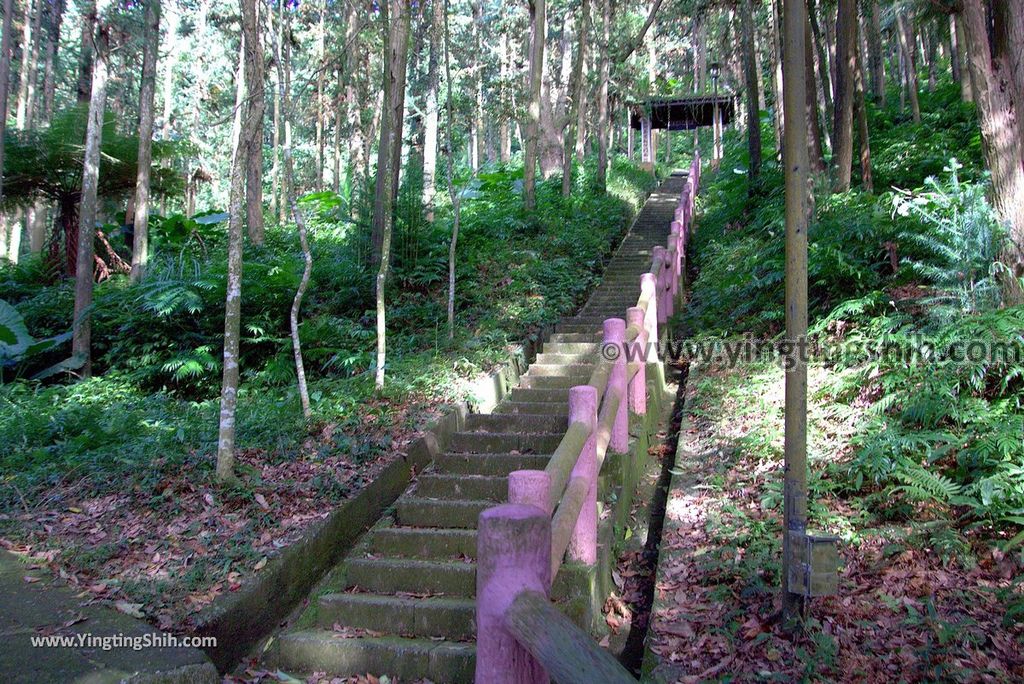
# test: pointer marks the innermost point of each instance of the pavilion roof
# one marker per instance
(682, 113)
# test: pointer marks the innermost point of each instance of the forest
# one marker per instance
(251, 250)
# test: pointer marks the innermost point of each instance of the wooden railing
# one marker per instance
(551, 514)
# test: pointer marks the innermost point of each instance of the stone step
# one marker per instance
(552, 381)
(424, 542)
(494, 422)
(451, 618)
(494, 442)
(573, 370)
(531, 394)
(404, 575)
(321, 650)
(461, 487)
(576, 337)
(588, 347)
(584, 327)
(497, 464)
(580, 358)
(533, 408)
(445, 513)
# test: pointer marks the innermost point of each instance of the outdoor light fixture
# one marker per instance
(714, 69)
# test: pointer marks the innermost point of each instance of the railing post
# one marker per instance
(615, 333)
(513, 555)
(649, 289)
(669, 270)
(659, 257)
(638, 385)
(530, 487)
(583, 542)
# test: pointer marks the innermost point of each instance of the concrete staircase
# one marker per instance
(402, 603)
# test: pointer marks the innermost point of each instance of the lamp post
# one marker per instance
(714, 69)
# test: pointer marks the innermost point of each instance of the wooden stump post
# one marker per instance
(583, 542)
(615, 333)
(638, 385)
(531, 488)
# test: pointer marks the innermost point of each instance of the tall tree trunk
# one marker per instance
(816, 154)
(504, 128)
(389, 157)
(24, 74)
(954, 50)
(754, 119)
(478, 85)
(798, 211)
(860, 114)
(538, 34)
(5, 79)
(252, 129)
(1008, 25)
(151, 45)
(56, 18)
(81, 343)
(876, 58)
(277, 35)
(907, 46)
(167, 89)
(604, 76)
(776, 37)
(966, 88)
(822, 65)
(452, 194)
(433, 108)
(321, 114)
(85, 53)
(578, 86)
(26, 109)
(1000, 129)
(846, 56)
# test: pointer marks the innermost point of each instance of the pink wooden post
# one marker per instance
(530, 487)
(669, 272)
(673, 241)
(513, 555)
(649, 289)
(638, 385)
(583, 542)
(659, 255)
(615, 333)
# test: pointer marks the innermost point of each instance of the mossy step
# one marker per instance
(321, 650)
(446, 513)
(500, 464)
(404, 575)
(450, 618)
(572, 327)
(465, 487)
(492, 442)
(423, 542)
(533, 408)
(492, 422)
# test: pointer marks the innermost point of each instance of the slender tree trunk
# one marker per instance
(437, 18)
(1000, 129)
(754, 119)
(81, 343)
(907, 43)
(252, 129)
(966, 88)
(151, 40)
(846, 56)
(29, 28)
(504, 129)
(821, 62)
(321, 115)
(776, 36)
(339, 108)
(537, 38)
(452, 194)
(389, 156)
(578, 89)
(797, 218)
(33, 67)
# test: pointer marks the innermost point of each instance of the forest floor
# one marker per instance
(165, 552)
(908, 607)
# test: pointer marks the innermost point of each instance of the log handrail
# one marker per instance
(552, 513)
